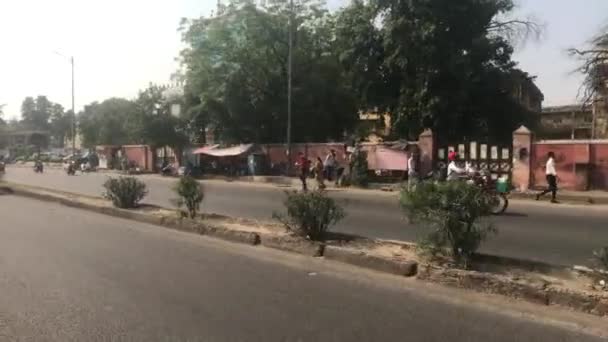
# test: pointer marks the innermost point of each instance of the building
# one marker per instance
(12, 138)
(526, 92)
(376, 125)
(566, 122)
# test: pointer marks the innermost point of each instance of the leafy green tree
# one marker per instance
(107, 123)
(2, 122)
(440, 64)
(154, 123)
(236, 65)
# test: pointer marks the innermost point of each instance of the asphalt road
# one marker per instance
(562, 234)
(71, 275)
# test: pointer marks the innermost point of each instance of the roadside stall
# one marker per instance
(226, 161)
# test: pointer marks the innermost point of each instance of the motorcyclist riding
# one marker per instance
(454, 172)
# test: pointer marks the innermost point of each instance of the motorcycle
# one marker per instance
(38, 167)
(71, 169)
(499, 199)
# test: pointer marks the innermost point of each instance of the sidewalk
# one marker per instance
(580, 197)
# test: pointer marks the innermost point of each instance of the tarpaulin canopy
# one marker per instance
(204, 149)
(233, 151)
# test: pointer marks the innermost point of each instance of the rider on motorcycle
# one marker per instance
(454, 172)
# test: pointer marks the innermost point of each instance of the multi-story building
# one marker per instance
(566, 122)
(526, 92)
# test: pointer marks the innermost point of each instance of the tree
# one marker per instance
(2, 122)
(236, 65)
(154, 123)
(107, 123)
(60, 124)
(439, 64)
(594, 66)
(35, 113)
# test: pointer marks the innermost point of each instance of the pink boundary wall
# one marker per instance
(581, 164)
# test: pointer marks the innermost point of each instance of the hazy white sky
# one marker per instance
(122, 45)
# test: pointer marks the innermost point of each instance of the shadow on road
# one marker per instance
(512, 214)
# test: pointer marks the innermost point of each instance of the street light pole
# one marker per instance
(71, 59)
(73, 110)
(289, 79)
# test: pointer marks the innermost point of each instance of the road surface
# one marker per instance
(71, 275)
(562, 234)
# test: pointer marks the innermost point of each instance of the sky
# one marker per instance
(120, 46)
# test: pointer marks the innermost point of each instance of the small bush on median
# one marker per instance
(601, 257)
(190, 194)
(453, 210)
(125, 192)
(310, 214)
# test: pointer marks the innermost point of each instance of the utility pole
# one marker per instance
(73, 110)
(71, 59)
(289, 79)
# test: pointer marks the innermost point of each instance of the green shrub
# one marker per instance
(359, 169)
(601, 257)
(310, 214)
(190, 194)
(125, 192)
(453, 211)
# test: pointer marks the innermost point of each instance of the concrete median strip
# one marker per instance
(361, 259)
(532, 282)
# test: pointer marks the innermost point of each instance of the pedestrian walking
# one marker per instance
(412, 171)
(329, 165)
(551, 175)
(319, 173)
(303, 166)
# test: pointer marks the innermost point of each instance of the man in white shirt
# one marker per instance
(329, 165)
(551, 175)
(412, 171)
(453, 170)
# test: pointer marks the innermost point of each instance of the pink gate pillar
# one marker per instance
(522, 144)
(426, 146)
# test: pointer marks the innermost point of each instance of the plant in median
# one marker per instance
(125, 192)
(190, 193)
(310, 214)
(601, 257)
(359, 168)
(453, 210)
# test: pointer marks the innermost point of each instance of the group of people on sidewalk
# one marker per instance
(329, 169)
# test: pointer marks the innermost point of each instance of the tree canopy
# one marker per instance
(145, 120)
(41, 114)
(236, 65)
(440, 64)
(594, 67)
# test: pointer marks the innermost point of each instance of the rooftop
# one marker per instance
(566, 109)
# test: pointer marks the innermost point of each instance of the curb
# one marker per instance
(535, 291)
(563, 198)
(291, 244)
(405, 268)
(486, 283)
